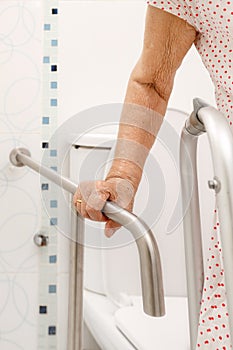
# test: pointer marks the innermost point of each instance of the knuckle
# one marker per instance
(84, 213)
(93, 214)
(90, 210)
(99, 184)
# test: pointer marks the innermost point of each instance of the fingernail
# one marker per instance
(109, 232)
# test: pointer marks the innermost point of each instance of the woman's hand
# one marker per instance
(91, 196)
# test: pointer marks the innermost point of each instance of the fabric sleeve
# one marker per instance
(178, 8)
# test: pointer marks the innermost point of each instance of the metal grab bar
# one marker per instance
(151, 272)
(206, 119)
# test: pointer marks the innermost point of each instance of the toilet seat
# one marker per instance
(150, 333)
(99, 314)
(128, 328)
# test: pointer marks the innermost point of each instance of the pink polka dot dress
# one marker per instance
(213, 20)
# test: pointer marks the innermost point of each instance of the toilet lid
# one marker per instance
(149, 333)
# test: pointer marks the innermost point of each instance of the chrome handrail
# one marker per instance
(150, 264)
(206, 119)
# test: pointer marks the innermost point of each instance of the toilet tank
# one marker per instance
(112, 265)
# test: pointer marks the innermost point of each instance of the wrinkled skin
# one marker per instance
(95, 194)
(166, 41)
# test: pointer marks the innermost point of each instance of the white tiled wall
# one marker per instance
(20, 100)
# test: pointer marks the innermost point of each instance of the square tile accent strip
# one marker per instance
(44, 187)
(52, 288)
(53, 259)
(47, 26)
(43, 309)
(47, 293)
(53, 85)
(45, 120)
(52, 330)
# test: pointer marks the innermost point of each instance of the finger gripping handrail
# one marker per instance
(151, 272)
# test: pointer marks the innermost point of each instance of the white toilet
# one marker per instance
(112, 299)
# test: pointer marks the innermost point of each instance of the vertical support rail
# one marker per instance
(72, 287)
(79, 228)
(75, 316)
(221, 144)
(192, 231)
(207, 119)
(150, 265)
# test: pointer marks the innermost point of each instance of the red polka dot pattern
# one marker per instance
(213, 332)
(213, 20)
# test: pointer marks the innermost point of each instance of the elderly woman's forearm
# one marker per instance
(145, 92)
(141, 118)
(166, 41)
